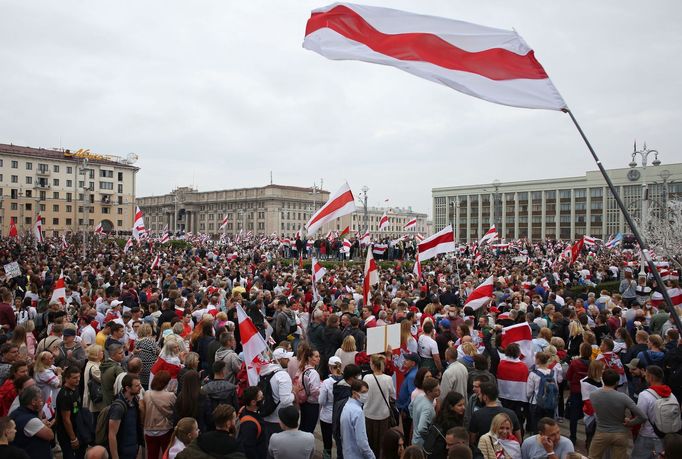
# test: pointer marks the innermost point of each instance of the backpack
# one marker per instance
(102, 427)
(291, 322)
(269, 404)
(548, 391)
(666, 415)
(300, 390)
(94, 389)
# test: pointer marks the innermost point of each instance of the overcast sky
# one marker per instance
(219, 93)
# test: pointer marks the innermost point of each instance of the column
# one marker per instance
(516, 215)
(543, 215)
(503, 215)
(573, 235)
(557, 213)
(468, 211)
(479, 228)
(588, 211)
(604, 211)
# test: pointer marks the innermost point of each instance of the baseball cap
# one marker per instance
(635, 363)
(281, 354)
(334, 360)
(445, 323)
(69, 332)
(289, 416)
(116, 303)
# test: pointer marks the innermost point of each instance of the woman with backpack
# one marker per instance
(92, 392)
(542, 389)
(307, 389)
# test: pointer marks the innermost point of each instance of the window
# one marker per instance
(55, 195)
(55, 207)
(120, 176)
(565, 194)
(15, 164)
(596, 205)
(55, 221)
(106, 174)
(81, 184)
(29, 193)
(106, 210)
(550, 194)
(29, 180)
(55, 182)
(69, 169)
(596, 192)
(43, 195)
(14, 206)
(119, 223)
(68, 222)
(42, 207)
(69, 183)
(28, 206)
(120, 200)
(580, 205)
(565, 207)
(55, 168)
(15, 179)
(91, 186)
(536, 195)
(69, 197)
(523, 196)
(565, 219)
(106, 186)
(29, 166)
(120, 211)
(1, 179)
(14, 193)
(580, 192)
(69, 209)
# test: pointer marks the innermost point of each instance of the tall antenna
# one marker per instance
(270, 177)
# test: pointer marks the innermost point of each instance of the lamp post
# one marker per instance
(493, 211)
(665, 176)
(364, 190)
(644, 155)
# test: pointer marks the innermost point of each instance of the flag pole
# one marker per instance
(642, 244)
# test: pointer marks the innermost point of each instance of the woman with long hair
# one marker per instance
(95, 355)
(184, 432)
(169, 360)
(47, 375)
(377, 409)
(202, 343)
(589, 384)
(451, 412)
(147, 350)
(393, 444)
(575, 338)
(158, 415)
(19, 340)
(307, 389)
(500, 442)
(347, 351)
(191, 400)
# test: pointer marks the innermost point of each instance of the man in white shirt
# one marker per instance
(647, 440)
(428, 350)
(88, 332)
(282, 389)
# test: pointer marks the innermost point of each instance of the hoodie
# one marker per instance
(652, 358)
(109, 369)
(217, 444)
(221, 391)
(230, 357)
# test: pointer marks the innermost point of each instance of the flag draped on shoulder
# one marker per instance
(522, 335)
(339, 204)
(492, 64)
(253, 345)
(441, 242)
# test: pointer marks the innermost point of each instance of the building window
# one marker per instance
(69, 208)
(119, 222)
(42, 207)
(55, 221)
(564, 194)
(69, 170)
(105, 210)
(69, 197)
(120, 211)
(550, 194)
(596, 192)
(69, 183)
(15, 164)
(13, 206)
(106, 174)
(55, 207)
(14, 193)
(55, 195)
(28, 206)
(106, 186)
(536, 195)
(120, 176)
(68, 222)
(29, 166)
(120, 188)
(15, 179)
(55, 182)
(596, 205)
(55, 168)
(580, 192)
(29, 180)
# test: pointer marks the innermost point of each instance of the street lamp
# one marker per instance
(644, 154)
(364, 190)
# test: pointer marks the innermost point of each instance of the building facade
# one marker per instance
(265, 210)
(70, 190)
(564, 208)
(397, 218)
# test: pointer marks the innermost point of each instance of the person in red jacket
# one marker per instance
(577, 370)
(8, 391)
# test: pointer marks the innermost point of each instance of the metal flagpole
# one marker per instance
(642, 244)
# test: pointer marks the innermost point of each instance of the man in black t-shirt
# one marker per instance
(482, 418)
(69, 403)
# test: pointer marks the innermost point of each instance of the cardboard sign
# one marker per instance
(12, 270)
(379, 338)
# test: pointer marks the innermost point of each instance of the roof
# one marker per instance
(56, 154)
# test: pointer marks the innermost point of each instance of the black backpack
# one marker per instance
(94, 389)
(269, 404)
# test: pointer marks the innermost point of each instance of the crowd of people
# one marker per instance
(139, 351)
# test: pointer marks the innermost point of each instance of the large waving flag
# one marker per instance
(441, 242)
(383, 223)
(523, 336)
(412, 224)
(491, 64)
(340, 203)
(481, 294)
(318, 270)
(614, 241)
(253, 345)
(59, 292)
(490, 235)
(223, 225)
(138, 226)
(38, 230)
(371, 277)
(576, 249)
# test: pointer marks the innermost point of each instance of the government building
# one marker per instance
(564, 208)
(280, 209)
(71, 190)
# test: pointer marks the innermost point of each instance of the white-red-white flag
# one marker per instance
(523, 336)
(65, 245)
(412, 224)
(318, 270)
(489, 235)
(253, 345)
(417, 268)
(366, 238)
(59, 291)
(138, 226)
(383, 223)
(48, 408)
(346, 246)
(589, 241)
(441, 242)
(339, 204)
(481, 294)
(418, 237)
(379, 248)
(165, 237)
(129, 244)
(223, 225)
(492, 64)
(156, 262)
(99, 229)
(371, 277)
(38, 230)
(285, 241)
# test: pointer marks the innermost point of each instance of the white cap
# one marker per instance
(334, 360)
(115, 303)
(281, 354)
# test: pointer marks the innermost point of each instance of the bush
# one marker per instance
(611, 286)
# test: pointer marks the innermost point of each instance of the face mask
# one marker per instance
(363, 398)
